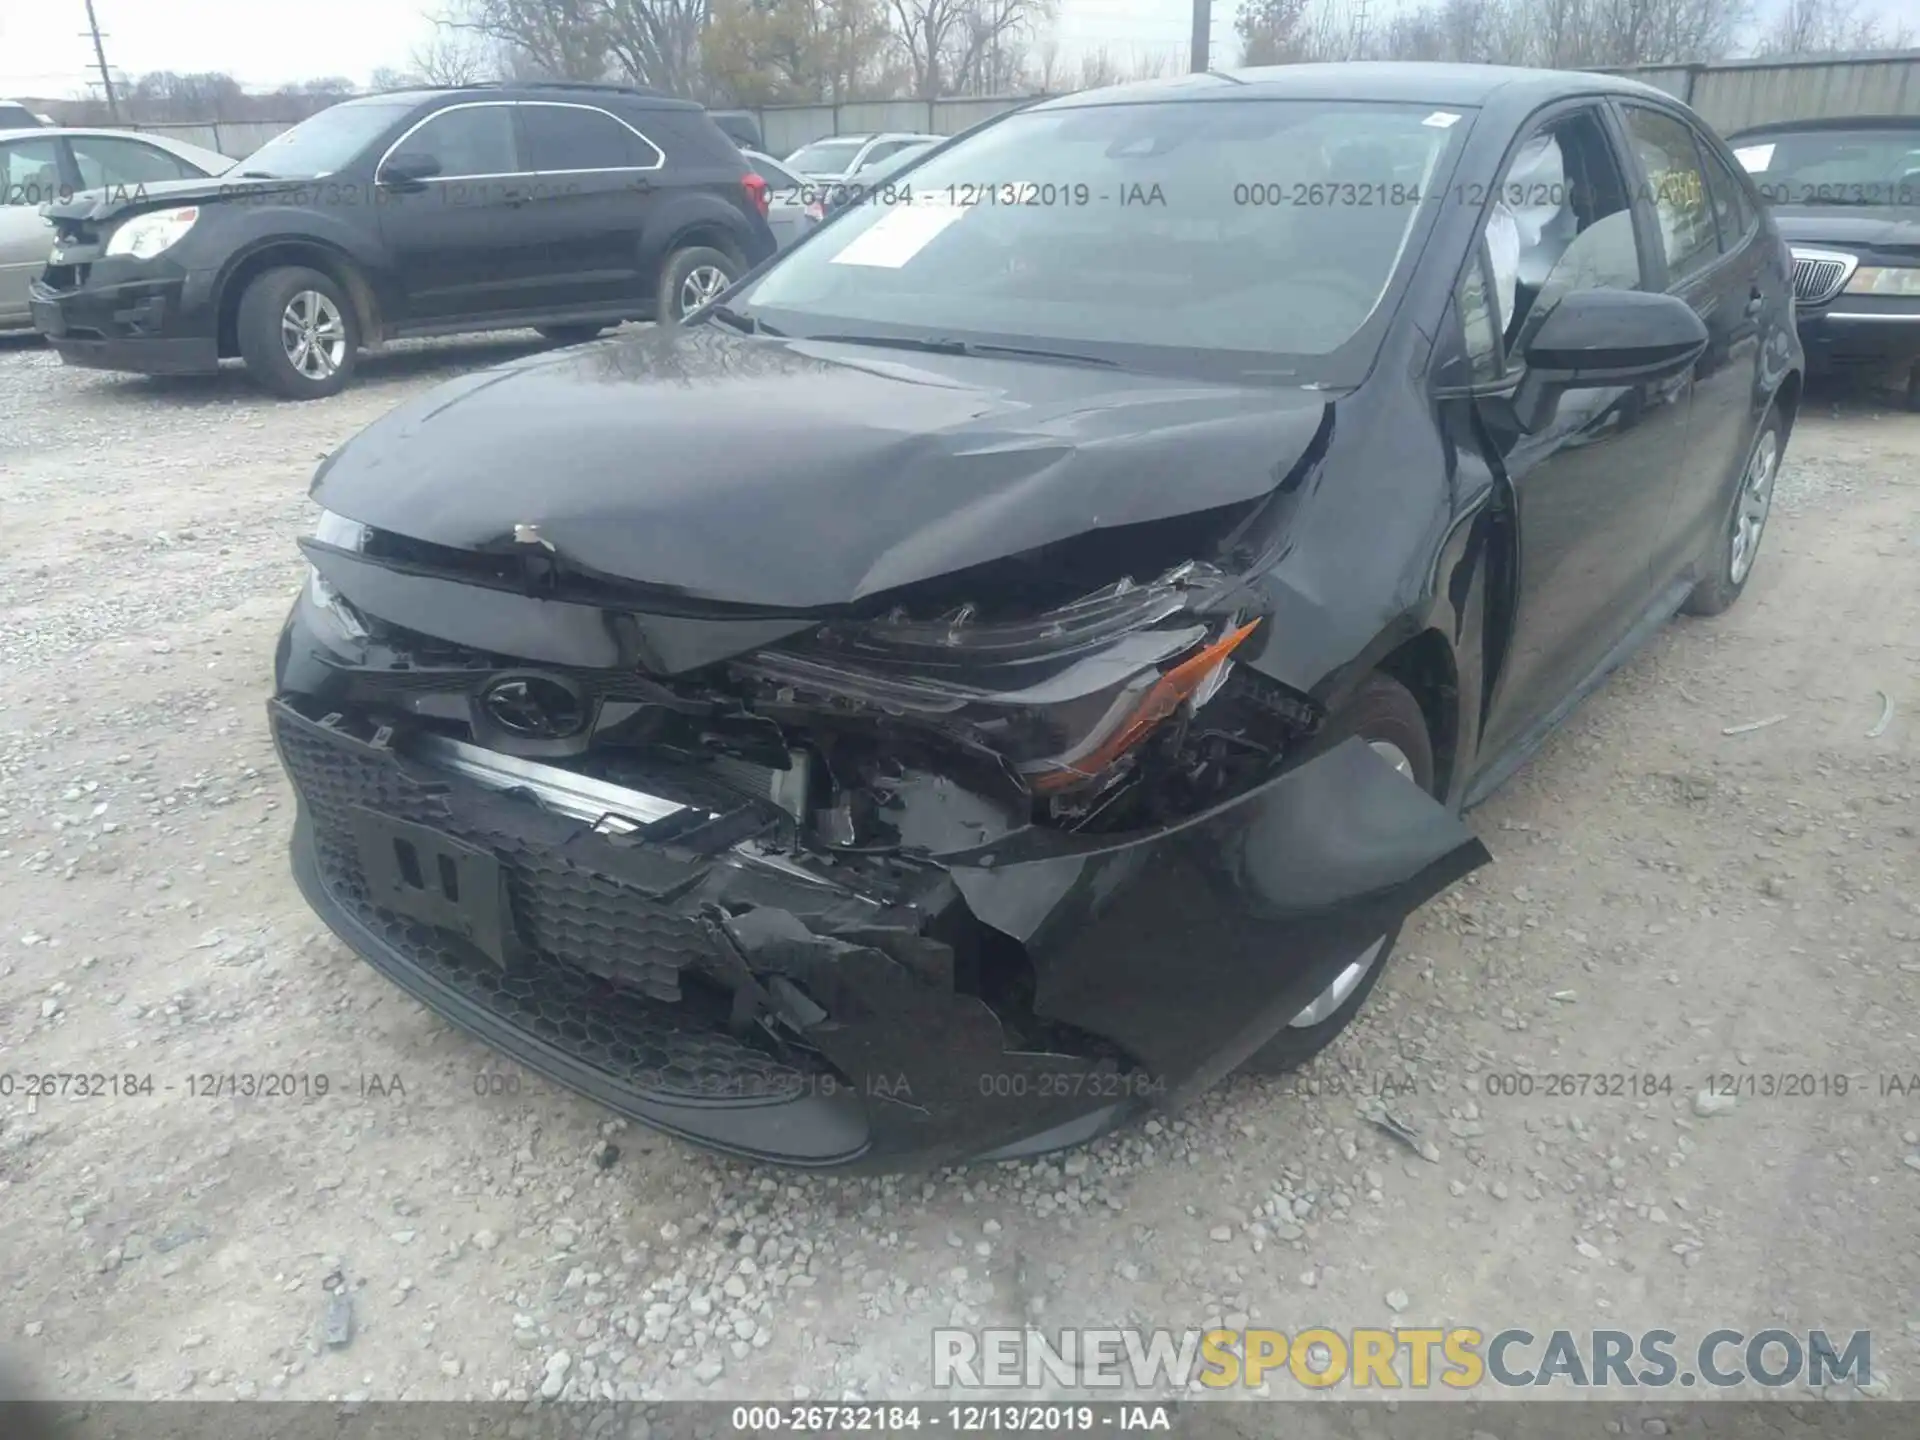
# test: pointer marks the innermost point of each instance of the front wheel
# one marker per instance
(1384, 714)
(298, 333)
(1738, 544)
(690, 278)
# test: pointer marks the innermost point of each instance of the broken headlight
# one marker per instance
(331, 613)
(1064, 697)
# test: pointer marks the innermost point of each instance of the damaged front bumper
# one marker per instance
(868, 1010)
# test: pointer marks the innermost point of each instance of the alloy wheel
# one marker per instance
(1755, 503)
(703, 282)
(314, 334)
(1348, 980)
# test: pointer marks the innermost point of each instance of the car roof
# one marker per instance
(1406, 82)
(553, 92)
(1831, 122)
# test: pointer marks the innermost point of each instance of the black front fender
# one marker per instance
(1192, 946)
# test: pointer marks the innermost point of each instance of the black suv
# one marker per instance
(567, 208)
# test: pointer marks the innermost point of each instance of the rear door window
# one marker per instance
(113, 160)
(1731, 208)
(580, 137)
(1677, 189)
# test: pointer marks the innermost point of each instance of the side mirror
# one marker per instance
(1595, 339)
(408, 169)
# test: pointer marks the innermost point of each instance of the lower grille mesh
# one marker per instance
(603, 961)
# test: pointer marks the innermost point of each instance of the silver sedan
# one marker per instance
(790, 209)
(42, 165)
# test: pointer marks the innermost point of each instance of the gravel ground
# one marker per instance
(1667, 899)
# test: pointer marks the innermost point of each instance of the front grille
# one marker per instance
(1817, 278)
(574, 915)
(608, 1014)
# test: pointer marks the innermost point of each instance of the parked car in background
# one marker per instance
(789, 211)
(841, 157)
(562, 207)
(739, 126)
(15, 116)
(39, 166)
(835, 196)
(1010, 664)
(1845, 194)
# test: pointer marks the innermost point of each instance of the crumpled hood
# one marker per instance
(799, 475)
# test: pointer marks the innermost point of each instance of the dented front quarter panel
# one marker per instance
(1187, 948)
(1192, 946)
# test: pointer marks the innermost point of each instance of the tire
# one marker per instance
(269, 305)
(570, 334)
(1381, 712)
(1729, 562)
(683, 265)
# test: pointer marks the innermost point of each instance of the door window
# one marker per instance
(1677, 189)
(30, 173)
(468, 141)
(579, 137)
(1562, 220)
(113, 160)
(1731, 208)
(882, 151)
(1479, 320)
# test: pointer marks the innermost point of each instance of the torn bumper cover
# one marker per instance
(848, 1010)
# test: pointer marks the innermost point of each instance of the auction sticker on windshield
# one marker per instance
(899, 235)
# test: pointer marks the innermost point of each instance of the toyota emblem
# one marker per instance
(535, 707)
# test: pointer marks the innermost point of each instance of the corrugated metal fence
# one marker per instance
(1730, 94)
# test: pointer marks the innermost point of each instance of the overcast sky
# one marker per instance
(44, 49)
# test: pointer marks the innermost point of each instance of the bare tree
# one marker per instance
(1826, 27)
(559, 39)
(1562, 33)
(1044, 72)
(452, 57)
(800, 51)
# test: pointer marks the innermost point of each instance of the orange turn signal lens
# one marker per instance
(1168, 694)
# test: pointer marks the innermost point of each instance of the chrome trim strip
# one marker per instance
(659, 155)
(1872, 315)
(579, 796)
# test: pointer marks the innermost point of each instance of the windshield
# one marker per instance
(1835, 167)
(1249, 235)
(327, 142)
(825, 156)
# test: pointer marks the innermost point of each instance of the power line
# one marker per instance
(100, 54)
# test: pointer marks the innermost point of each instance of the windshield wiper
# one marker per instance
(941, 345)
(257, 175)
(745, 324)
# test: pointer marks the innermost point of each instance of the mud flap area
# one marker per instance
(1190, 948)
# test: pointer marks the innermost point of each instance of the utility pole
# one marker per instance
(100, 54)
(1202, 34)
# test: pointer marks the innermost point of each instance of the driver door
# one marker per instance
(467, 243)
(1593, 489)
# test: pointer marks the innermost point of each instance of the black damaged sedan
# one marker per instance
(1020, 655)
